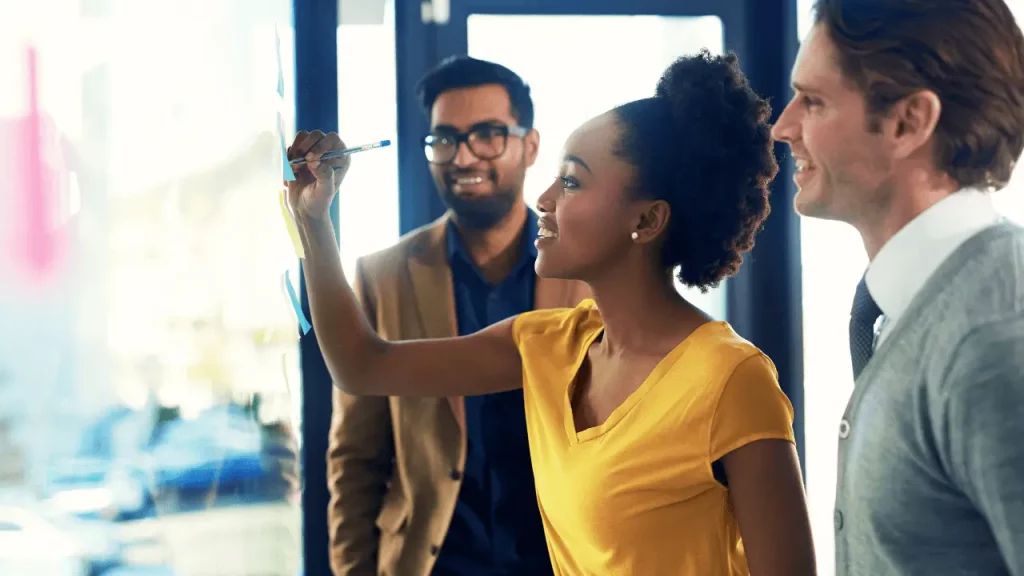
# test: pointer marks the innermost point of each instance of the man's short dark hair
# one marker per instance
(968, 52)
(466, 72)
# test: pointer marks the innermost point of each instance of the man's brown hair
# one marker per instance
(968, 52)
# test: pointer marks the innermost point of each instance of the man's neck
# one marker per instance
(912, 197)
(495, 250)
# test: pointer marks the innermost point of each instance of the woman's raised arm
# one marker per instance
(359, 361)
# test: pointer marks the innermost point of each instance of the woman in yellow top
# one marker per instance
(660, 440)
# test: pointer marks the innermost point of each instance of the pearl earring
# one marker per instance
(635, 236)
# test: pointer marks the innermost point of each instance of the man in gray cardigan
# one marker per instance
(906, 114)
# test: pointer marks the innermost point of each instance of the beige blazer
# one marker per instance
(393, 463)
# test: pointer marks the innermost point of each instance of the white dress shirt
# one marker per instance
(912, 255)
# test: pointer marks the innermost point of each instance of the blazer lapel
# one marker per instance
(435, 298)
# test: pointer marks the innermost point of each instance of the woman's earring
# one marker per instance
(635, 236)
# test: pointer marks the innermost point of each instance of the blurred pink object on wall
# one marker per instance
(37, 242)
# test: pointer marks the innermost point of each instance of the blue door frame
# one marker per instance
(764, 300)
(316, 108)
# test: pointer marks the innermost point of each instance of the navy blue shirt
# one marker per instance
(496, 528)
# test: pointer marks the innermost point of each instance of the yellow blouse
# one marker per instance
(636, 495)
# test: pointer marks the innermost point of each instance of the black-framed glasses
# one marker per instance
(486, 141)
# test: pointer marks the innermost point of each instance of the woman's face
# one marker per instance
(589, 212)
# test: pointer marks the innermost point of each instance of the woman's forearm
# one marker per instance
(349, 345)
(362, 363)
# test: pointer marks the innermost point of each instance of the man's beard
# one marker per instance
(481, 212)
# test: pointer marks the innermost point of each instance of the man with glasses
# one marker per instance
(444, 486)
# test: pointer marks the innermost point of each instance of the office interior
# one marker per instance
(161, 409)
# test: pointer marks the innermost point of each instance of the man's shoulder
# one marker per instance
(988, 280)
(990, 347)
(981, 283)
(411, 244)
(979, 307)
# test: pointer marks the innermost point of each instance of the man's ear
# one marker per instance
(531, 143)
(912, 121)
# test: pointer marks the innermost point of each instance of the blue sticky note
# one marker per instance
(289, 174)
(303, 323)
(280, 71)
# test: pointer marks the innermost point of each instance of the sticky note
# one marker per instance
(289, 174)
(37, 242)
(289, 224)
(303, 323)
(280, 70)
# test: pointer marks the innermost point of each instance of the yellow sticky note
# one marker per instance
(289, 223)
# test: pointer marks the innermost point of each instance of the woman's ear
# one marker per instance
(651, 222)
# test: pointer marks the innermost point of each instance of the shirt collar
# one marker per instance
(528, 250)
(904, 264)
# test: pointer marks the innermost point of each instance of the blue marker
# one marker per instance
(346, 151)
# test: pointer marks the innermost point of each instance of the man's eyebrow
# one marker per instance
(576, 160)
(798, 87)
(481, 124)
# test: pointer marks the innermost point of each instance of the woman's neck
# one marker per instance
(644, 314)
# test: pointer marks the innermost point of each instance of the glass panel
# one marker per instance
(367, 112)
(833, 262)
(601, 76)
(804, 17)
(145, 334)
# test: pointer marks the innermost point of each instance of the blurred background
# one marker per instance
(160, 411)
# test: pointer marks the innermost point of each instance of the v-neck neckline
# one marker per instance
(657, 373)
